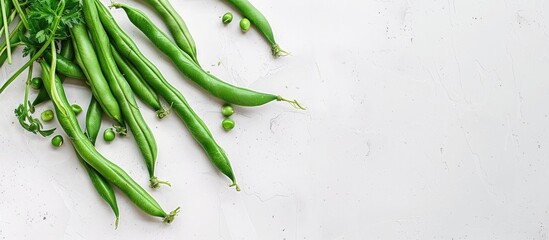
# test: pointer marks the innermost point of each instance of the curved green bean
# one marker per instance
(152, 75)
(101, 185)
(122, 91)
(218, 88)
(176, 26)
(89, 63)
(138, 85)
(260, 21)
(89, 154)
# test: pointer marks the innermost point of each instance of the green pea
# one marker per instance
(36, 83)
(109, 135)
(47, 115)
(57, 141)
(227, 110)
(227, 18)
(227, 124)
(245, 24)
(76, 109)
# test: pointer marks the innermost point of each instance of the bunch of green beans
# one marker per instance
(93, 48)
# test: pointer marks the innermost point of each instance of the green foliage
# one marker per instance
(42, 14)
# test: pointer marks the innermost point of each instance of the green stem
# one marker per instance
(27, 87)
(294, 102)
(13, 32)
(10, 19)
(21, 13)
(55, 96)
(37, 55)
(6, 30)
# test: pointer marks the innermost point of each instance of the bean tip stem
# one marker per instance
(155, 182)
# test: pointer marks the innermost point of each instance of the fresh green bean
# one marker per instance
(66, 67)
(94, 116)
(101, 185)
(67, 51)
(227, 92)
(260, 21)
(138, 85)
(89, 63)
(152, 75)
(176, 26)
(87, 151)
(122, 91)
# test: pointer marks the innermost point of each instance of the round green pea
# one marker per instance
(76, 109)
(57, 141)
(227, 124)
(245, 24)
(47, 115)
(36, 83)
(227, 18)
(108, 135)
(227, 110)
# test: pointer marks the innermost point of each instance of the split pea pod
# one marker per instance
(176, 26)
(215, 86)
(67, 51)
(84, 148)
(138, 85)
(89, 63)
(260, 21)
(122, 91)
(152, 75)
(101, 185)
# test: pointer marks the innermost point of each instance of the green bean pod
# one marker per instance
(176, 26)
(152, 75)
(67, 51)
(84, 148)
(138, 85)
(101, 185)
(260, 21)
(218, 88)
(66, 67)
(122, 91)
(93, 120)
(88, 60)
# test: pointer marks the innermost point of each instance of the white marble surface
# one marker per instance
(425, 120)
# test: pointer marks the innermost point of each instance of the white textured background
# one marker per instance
(426, 119)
